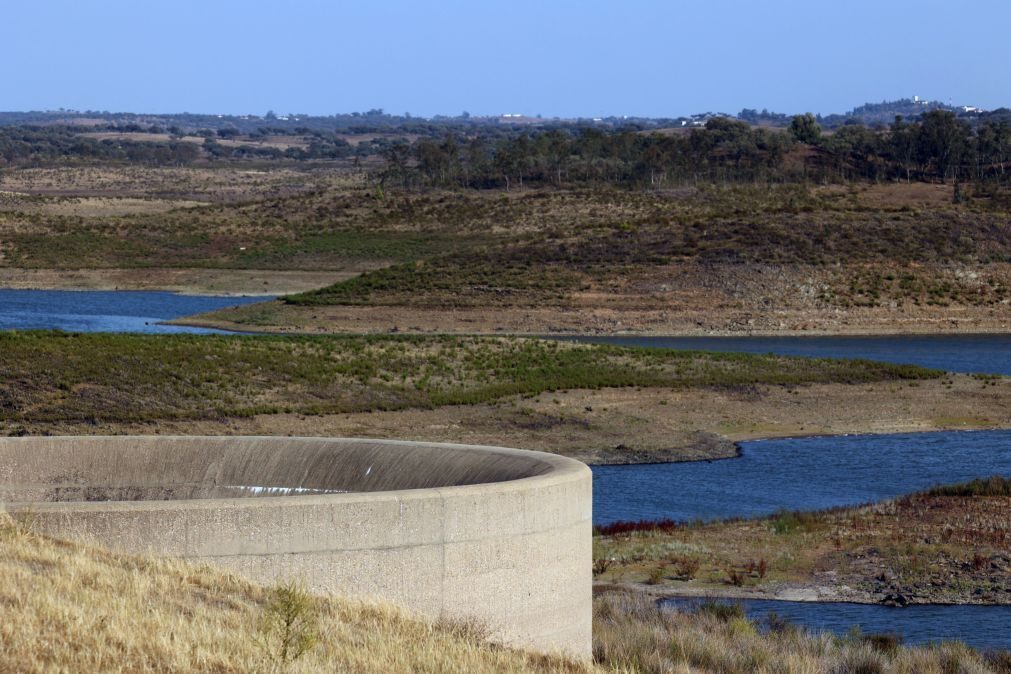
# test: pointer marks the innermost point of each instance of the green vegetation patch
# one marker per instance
(50, 377)
(989, 486)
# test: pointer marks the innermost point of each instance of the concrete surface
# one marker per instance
(498, 535)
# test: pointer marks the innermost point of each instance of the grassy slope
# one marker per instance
(579, 241)
(72, 608)
(947, 545)
(53, 377)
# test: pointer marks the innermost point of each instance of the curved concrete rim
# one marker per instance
(498, 535)
(561, 468)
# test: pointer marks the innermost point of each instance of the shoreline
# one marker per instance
(233, 327)
(628, 427)
(274, 317)
(213, 282)
(801, 595)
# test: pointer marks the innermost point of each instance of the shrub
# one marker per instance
(722, 611)
(685, 566)
(289, 625)
(989, 486)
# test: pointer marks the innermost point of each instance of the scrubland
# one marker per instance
(762, 258)
(947, 545)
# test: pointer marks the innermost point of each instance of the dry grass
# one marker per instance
(73, 608)
(70, 608)
(53, 377)
(91, 207)
(279, 142)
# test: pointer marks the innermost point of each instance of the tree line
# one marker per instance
(936, 147)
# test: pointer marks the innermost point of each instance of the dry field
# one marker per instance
(73, 608)
(278, 142)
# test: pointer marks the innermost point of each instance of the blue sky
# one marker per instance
(556, 58)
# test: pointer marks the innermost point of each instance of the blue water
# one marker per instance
(106, 311)
(983, 627)
(953, 353)
(798, 474)
(814, 473)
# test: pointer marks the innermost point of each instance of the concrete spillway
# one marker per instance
(498, 535)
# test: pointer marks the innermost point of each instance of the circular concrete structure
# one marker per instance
(498, 535)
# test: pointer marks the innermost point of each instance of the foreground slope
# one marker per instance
(73, 608)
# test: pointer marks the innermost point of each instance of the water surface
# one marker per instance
(798, 474)
(982, 627)
(106, 311)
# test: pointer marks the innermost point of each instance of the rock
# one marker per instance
(895, 599)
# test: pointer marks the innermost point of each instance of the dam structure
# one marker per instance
(501, 536)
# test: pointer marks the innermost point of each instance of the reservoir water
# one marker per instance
(822, 472)
(798, 474)
(953, 353)
(106, 311)
(983, 627)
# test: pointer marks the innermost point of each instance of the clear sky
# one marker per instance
(554, 57)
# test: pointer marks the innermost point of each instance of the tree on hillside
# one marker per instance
(805, 128)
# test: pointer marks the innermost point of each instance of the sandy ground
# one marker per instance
(645, 425)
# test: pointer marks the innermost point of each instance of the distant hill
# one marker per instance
(378, 121)
(885, 112)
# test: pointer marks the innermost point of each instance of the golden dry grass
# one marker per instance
(72, 608)
(67, 607)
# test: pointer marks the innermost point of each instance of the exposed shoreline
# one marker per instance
(187, 281)
(603, 317)
(807, 594)
(274, 317)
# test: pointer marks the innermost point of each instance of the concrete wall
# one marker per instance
(500, 535)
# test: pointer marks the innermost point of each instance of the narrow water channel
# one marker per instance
(982, 627)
